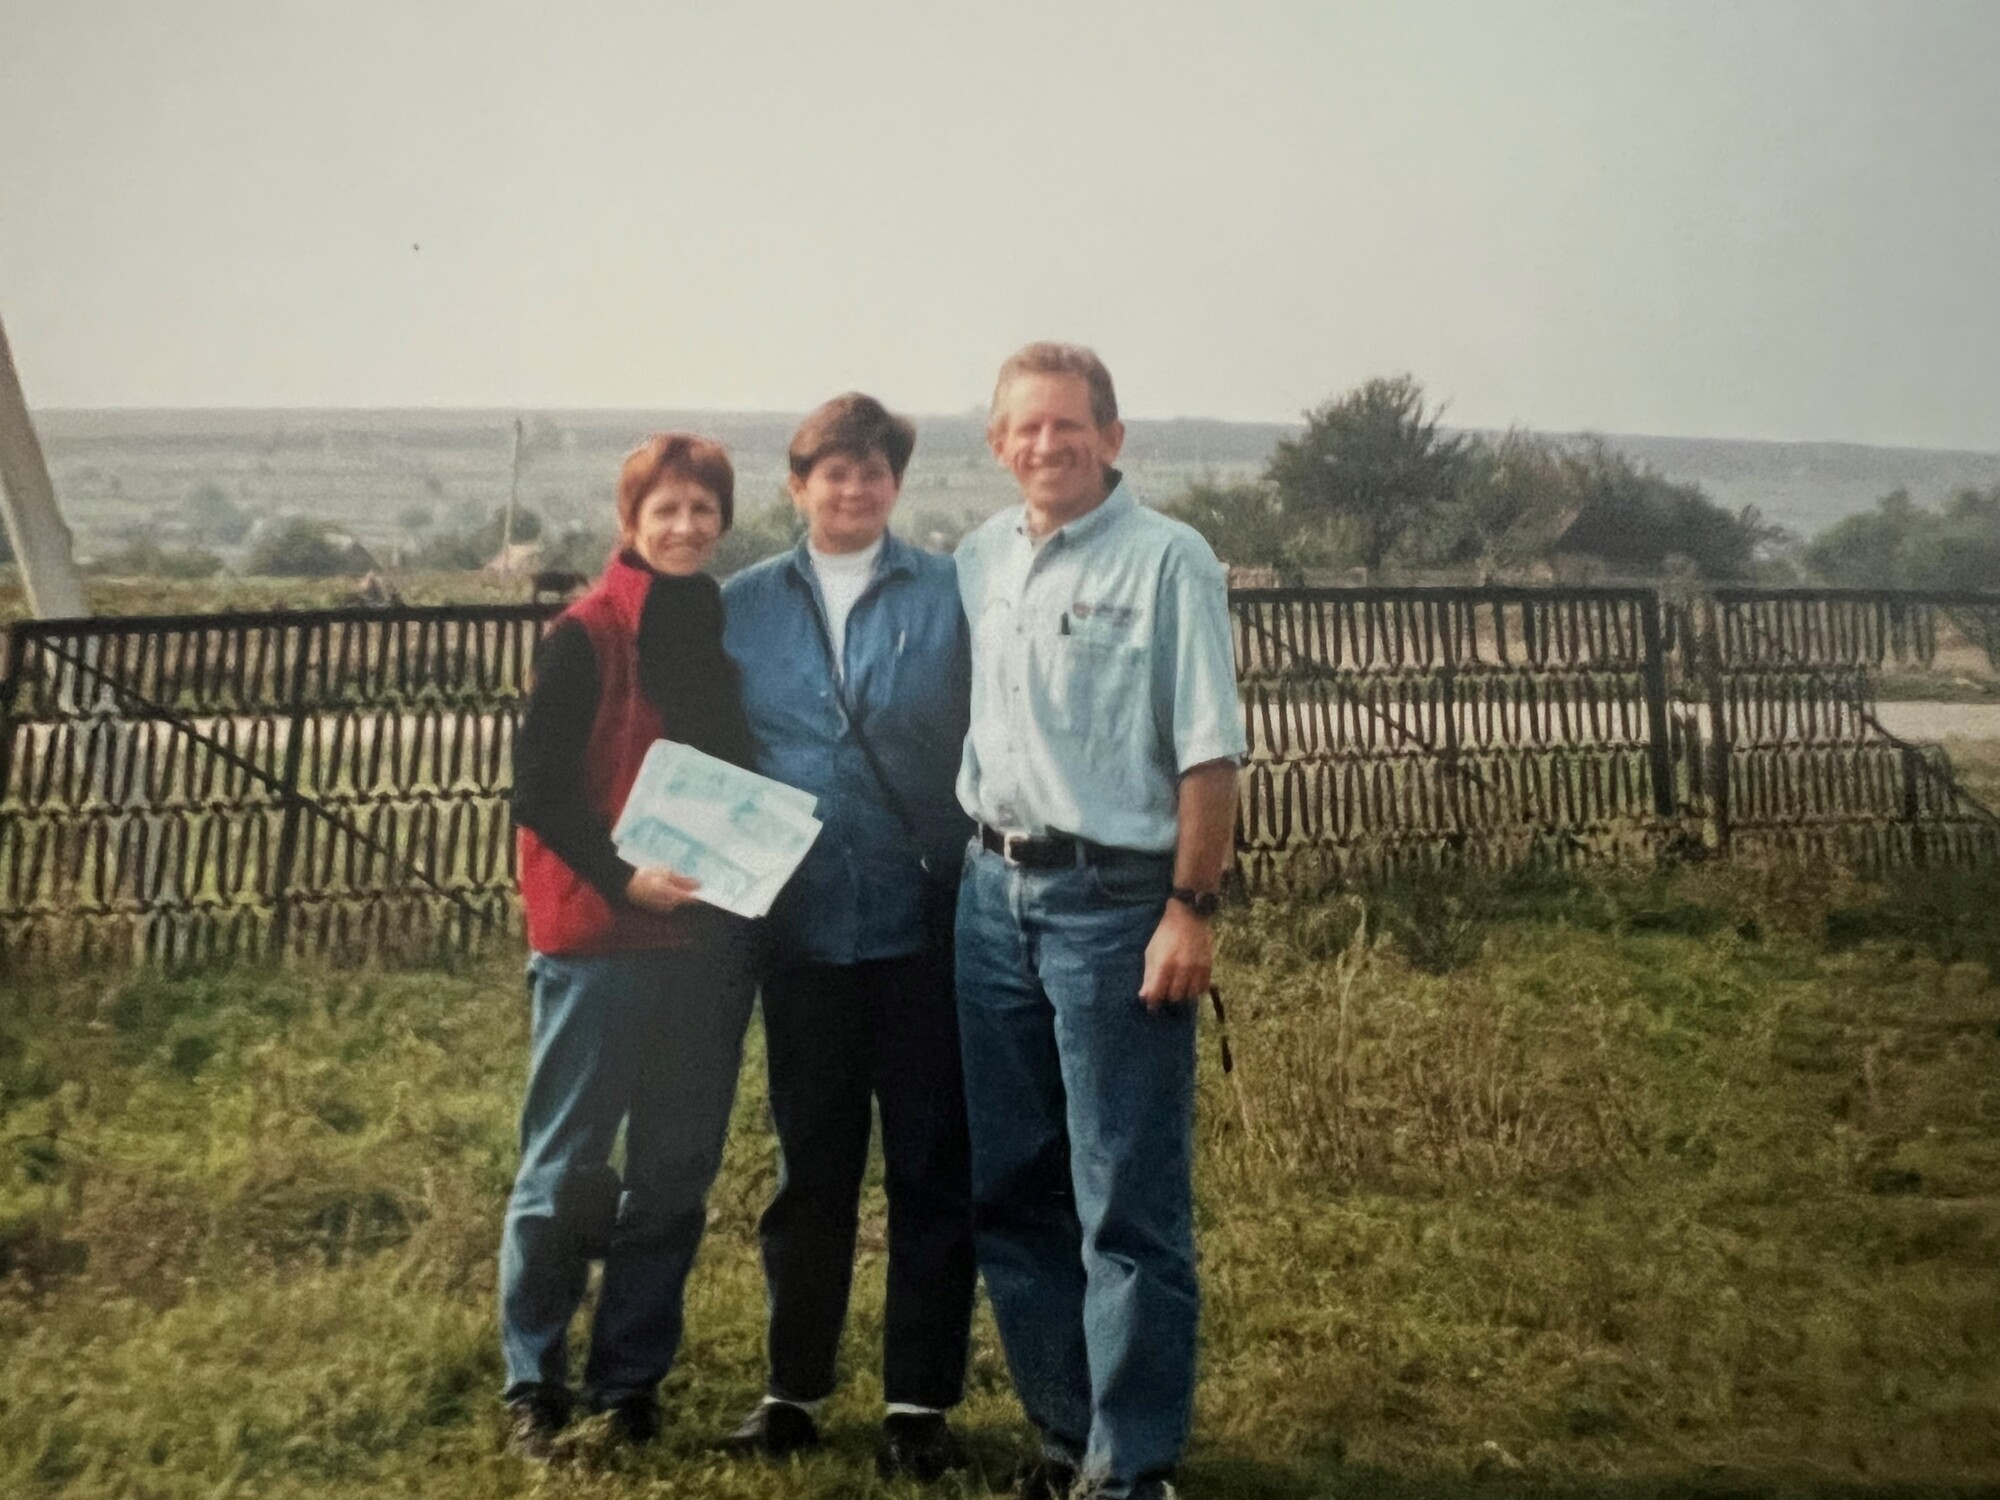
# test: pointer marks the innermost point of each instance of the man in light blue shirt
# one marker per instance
(1101, 767)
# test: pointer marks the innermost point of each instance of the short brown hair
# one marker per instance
(1049, 358)
(856, 425)
(679, 455)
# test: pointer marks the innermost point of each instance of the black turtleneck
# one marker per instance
(685, 676)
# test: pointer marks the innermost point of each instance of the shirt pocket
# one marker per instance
(1100, 690)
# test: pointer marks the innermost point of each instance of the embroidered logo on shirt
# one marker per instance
(1108, 614)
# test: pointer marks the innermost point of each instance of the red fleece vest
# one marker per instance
(565, 912)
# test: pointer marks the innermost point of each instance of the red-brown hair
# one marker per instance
(674, 455)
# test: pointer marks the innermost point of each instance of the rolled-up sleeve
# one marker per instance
(1195, 665)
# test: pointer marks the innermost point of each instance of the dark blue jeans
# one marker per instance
(652, 1039)
(835, 1035)
(1082, 1109)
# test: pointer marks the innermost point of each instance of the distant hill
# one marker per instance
(117, 471)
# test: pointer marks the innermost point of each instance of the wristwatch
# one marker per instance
(1203, 904)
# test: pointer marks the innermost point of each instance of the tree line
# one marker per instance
(1373, 486)
(1376, 485)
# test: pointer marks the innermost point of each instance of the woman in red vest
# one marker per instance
(641, 991)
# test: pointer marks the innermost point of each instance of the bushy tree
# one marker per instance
(1638, 521)
(1900, 544)
(472, 546)
(1370, 466)
(1246, 524)
(299, 548)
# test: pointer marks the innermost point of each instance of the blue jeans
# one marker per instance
(1081, 1103)
(653, 1039)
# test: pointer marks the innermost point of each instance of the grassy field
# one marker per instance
(1681, 1184)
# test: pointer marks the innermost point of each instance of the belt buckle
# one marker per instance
(1009, 842)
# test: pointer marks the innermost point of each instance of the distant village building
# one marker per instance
(515, 559)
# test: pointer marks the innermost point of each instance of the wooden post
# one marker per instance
(1720, 747)
(294, 807)
(1659, 744)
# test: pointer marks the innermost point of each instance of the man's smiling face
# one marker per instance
(1044, 432)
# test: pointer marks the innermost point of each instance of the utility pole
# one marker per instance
(513, 500)
(35, 527)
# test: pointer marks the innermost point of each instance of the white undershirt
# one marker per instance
(843, 578)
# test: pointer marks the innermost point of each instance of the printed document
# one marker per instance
(740, 834)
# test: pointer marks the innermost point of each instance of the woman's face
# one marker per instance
(677, 526)
(846, 500)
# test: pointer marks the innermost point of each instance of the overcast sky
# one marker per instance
(1750, 218)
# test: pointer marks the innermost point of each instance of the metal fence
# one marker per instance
(336, 782)
(330, 781)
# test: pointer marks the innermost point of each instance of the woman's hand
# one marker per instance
(659, 889)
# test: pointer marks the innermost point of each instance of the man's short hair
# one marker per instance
(1049, 358)
(677, 455)
(857, 426)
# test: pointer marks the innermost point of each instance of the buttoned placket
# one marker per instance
(1014, 658)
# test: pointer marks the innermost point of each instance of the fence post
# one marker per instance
(1913, 769)
(294, 805)
(1709, 657)
(1659, 743)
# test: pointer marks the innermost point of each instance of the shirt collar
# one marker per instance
(1109, 509)
(896, 556)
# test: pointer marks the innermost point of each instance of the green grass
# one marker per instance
(1653, 1185)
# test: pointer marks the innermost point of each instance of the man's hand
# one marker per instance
(659, 889)
(1178, 958)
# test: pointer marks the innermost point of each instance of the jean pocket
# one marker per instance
(1129, 882)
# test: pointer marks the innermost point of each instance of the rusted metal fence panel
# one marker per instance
(336, 782)
(1778, 688)
(1395, 726)
(330, 782)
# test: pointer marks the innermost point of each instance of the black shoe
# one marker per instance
(774, 1429)
(635, 1419)
(920, 1444)
(1045, 1479)
(538, 1414)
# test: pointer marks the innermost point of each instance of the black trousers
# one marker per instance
(835, 1034)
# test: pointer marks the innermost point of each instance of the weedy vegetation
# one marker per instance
(1675, 1183)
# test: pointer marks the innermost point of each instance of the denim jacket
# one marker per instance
(860, 892)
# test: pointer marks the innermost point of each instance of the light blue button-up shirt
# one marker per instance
(1102, 668)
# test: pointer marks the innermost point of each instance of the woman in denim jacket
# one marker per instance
(855, 664)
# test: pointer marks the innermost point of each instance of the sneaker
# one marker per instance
(635, 1419)
(774, 1429)
(919, 1444)
(537, 1415)
(1045, 1479)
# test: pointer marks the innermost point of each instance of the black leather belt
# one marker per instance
(1054, 851)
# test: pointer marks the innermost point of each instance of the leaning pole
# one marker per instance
(42, 550)
(35, 527)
